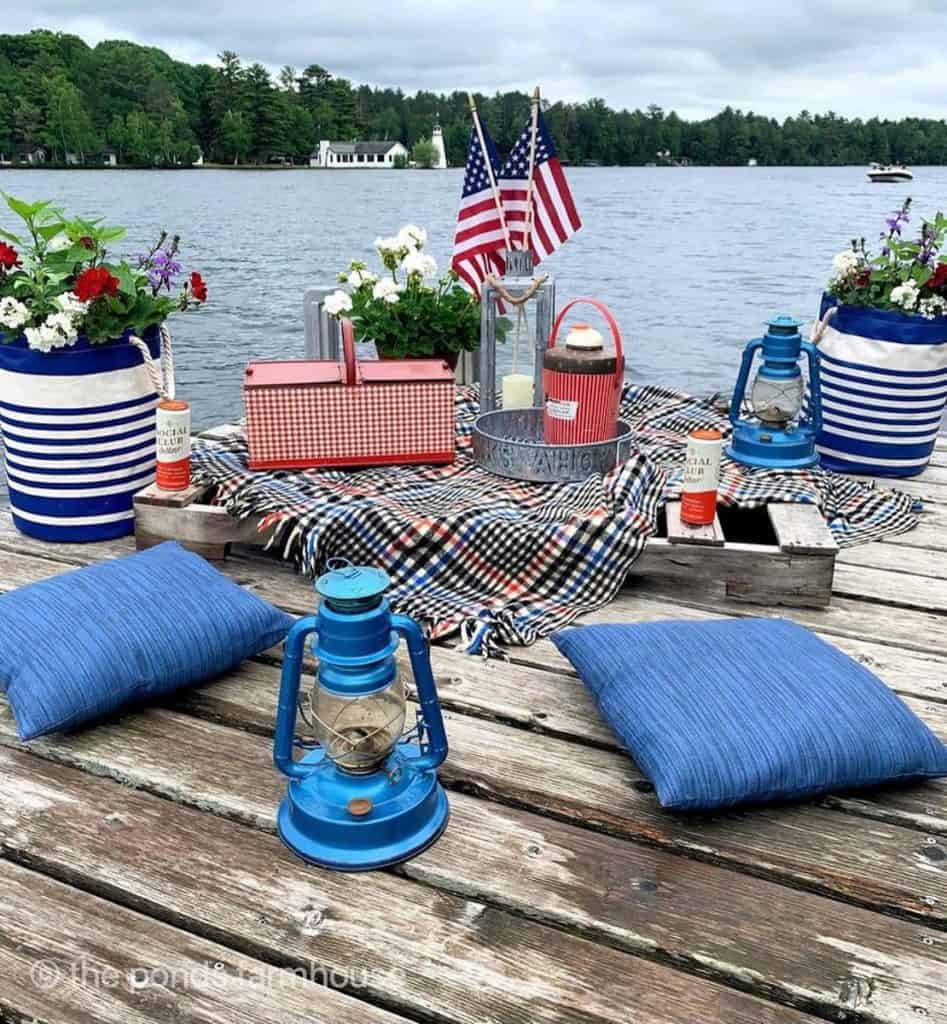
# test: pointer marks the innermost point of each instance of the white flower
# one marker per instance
(56, 331)
(337, 303)
(13, 313)
(905, 295)
(385, 287)
(412, 237)
(933, 307)
(359, 277)
(418, 263)
(391, 298)
(845, 262)
(69, 303)
(383, 245)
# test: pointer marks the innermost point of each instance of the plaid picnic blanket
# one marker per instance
(507, 562)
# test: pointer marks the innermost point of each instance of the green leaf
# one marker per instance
(50, 231)
(9, 237)
(127, 279)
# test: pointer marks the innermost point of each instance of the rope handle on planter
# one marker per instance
(162, 380)
(819, 327)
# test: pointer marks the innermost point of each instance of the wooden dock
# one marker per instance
(142, 880)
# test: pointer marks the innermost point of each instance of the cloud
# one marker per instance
(857, 57)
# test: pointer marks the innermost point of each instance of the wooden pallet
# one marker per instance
(781, 554)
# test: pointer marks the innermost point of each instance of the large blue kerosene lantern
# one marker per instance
(781, 433)
(366, 796)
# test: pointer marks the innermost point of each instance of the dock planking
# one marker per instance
(560, 892)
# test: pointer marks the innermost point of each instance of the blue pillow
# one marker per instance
(83, 644)
(736, 710)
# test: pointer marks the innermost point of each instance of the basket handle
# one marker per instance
(610, 320)
(348, 352)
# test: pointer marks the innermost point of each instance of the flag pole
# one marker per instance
(532, 166)
(486, 159)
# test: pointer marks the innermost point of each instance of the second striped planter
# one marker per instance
(78, 431)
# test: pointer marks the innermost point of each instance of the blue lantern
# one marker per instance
(366, 796)
(781, 433)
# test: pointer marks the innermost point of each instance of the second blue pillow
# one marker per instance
(735, 710)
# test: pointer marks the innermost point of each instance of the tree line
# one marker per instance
(79, 102)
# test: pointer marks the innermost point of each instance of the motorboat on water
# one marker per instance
(889, 172)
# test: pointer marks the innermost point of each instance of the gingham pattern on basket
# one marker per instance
(302, 423)
(507, 562)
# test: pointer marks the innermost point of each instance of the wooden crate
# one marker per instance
(187, 517)
(780, 554)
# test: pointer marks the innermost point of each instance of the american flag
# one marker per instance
(555, 218)
(478, 243)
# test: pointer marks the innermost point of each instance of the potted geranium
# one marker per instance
(883, 340)
(407, 310)
(76, 399)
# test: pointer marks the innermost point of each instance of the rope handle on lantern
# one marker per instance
(820, 325)
(162, 380)
(534, 287)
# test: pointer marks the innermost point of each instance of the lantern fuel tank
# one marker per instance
(582, 382)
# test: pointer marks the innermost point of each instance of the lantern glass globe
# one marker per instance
(776, 401)
(359, 733)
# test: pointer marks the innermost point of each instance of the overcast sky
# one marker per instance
(857, 57)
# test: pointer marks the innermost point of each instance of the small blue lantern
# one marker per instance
(781, 433)
(366, 796)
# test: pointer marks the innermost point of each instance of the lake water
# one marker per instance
(691, 261)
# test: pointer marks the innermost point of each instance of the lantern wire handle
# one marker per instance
(343, 566)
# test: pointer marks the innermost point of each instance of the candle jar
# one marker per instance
(530, 301)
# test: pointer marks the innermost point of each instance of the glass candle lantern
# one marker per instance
(529, 301)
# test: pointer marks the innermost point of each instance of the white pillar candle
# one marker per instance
(517, 391)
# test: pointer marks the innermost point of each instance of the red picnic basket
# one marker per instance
(307, 414)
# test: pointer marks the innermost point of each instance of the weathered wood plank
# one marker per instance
(913, 561)
(926, 593)
(880, 867)
(71, 958)
(742, 572)
(913, 629)
(154, 495)
(450, 957)
(679, 532)
(801, 529)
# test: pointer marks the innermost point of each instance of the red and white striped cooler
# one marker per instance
(580, 404)
(314, 414)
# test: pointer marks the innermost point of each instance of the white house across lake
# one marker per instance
(357, 154)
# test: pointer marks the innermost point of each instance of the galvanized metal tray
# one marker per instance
(509, 442)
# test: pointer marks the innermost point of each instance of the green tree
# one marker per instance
(69, 129)
(424, 154)
(235, 136)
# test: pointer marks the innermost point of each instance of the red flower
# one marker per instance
(86, 242)
(198, 288)
(939, 278)
(863, 279)
(9, 258)
(92, 283)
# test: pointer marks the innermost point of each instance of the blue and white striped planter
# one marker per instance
(884, 389)
(78, 429)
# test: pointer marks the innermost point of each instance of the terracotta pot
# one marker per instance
(451, 358)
